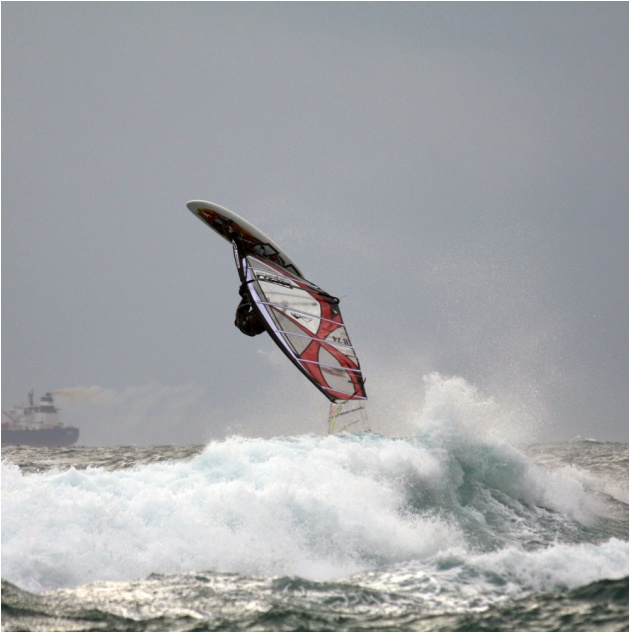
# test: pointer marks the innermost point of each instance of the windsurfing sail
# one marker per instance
(305, 322)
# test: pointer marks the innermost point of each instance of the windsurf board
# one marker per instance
(233, 227)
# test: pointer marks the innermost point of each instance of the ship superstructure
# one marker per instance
(36, 425)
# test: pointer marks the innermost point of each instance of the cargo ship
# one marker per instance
(31, 425)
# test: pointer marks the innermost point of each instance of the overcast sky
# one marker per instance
(456, 172)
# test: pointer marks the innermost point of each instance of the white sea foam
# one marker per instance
(317, 507)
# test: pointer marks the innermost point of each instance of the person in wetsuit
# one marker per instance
(247, 319)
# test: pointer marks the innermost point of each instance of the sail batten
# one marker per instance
(312, 338)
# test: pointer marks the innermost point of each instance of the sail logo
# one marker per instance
(273, 279)
(297, 316)
(340, 339)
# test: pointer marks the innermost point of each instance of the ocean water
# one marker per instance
(446, 530)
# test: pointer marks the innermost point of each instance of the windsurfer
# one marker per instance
(247, 319)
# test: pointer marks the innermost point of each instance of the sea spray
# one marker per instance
(452, 406)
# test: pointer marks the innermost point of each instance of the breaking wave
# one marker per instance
(316, 507)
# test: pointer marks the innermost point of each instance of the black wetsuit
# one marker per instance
(247, 319)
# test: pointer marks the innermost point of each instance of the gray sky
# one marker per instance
(457, 173)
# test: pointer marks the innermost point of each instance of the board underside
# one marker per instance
(233, 228)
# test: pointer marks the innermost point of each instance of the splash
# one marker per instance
(454, 407)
